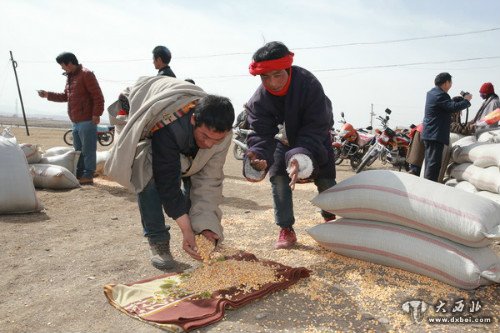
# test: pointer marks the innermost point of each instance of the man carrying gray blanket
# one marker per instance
(174, 130)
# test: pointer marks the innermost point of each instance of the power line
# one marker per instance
(407, 64)
(368, 67)
(296, 48)
(458, 68)
(396, 40)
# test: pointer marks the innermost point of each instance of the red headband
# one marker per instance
(262, 67)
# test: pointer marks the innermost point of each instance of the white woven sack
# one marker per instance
(451, 182)
(489, 195)
(412, 250)
(483, 179)
(53, 177)
(482, 154)
(69, 160)
(32, 152)
(462, 185)
(7, 134)
(101, 158)
(460, 154)
(17, 194)
(490, 136)
(54, 151)
(454, 137)
(486, 155)
(400, 198)
(465, 141)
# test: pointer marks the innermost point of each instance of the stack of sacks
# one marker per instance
(17, 194)
(7, 134)
(399, 220)
(475, 167)
(55, 169)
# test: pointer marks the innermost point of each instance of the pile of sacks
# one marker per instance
(475, 165)
(399, 220)
(55, 169)
(24, 166)
(17, 193)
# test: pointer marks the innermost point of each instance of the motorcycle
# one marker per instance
(389, 147)
(105, 135)
(353, 143)
(240, 142)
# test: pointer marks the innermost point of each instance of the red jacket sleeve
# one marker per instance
(58, 97)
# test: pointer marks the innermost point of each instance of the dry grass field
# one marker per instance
(54, 265)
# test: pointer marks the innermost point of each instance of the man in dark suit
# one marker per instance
(436, 134)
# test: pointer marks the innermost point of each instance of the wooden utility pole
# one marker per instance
(14, 66)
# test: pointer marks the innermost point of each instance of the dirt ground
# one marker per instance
(54, 265)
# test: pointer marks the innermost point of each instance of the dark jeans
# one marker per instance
(283, 200)
(151, 210)
(433, 157)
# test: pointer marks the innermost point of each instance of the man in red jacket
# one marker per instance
(85, 107)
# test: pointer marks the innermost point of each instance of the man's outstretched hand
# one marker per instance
(257, 164)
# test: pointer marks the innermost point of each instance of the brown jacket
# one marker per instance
(416, 150)
(83, 94)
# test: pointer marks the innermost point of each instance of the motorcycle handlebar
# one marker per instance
(242, 131)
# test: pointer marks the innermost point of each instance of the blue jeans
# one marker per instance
(85, 140)
(151, 210)
(283, 201)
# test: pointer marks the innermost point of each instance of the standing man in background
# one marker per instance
(436, 133)
(491, 103)
(161, 60)
(85, 107)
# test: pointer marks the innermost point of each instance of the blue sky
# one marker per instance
(115, 40)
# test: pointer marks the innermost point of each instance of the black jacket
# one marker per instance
(166, 71)
(438, 109)
(167, 145)
(307, 114)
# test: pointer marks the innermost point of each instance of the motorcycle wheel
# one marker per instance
(68, 137)
(355, 161)
(106, 139)
(338, 159)
(238, 152)
(366, 160)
